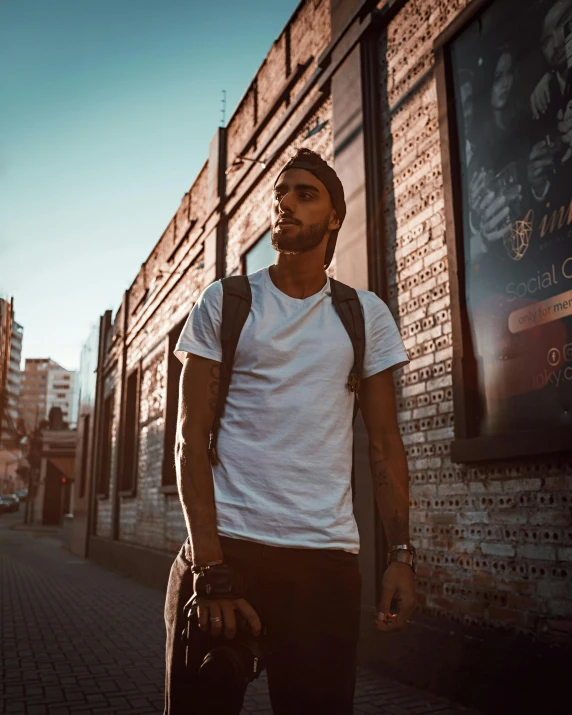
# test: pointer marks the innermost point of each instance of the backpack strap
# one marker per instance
(348, 307)
(236, 304)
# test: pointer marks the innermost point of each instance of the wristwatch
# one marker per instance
(404, 553)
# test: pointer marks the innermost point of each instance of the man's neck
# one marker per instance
(298, 276)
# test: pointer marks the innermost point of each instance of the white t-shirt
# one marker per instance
(285, 441)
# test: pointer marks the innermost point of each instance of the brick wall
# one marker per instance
(162, 294)
(495, 540)
(301, 42)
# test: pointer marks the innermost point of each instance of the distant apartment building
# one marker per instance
(47, 384)
(62, 392)
(11, 335)
(14, 381)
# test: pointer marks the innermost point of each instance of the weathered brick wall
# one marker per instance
(310, 34)
(142, 516)
(495, 540)
(103, 525)
(162, 294)
(302, 41)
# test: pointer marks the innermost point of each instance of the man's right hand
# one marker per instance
(224, 609)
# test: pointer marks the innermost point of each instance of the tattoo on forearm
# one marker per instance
(380, 474)
(397, 528)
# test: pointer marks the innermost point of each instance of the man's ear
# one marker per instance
(334, 221)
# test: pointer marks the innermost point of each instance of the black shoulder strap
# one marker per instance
(236, 303)
(348, 307)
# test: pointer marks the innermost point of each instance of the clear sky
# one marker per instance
(107, 111)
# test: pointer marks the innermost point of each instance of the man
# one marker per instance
(277, 507)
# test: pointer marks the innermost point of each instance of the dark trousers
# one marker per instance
(309, 603)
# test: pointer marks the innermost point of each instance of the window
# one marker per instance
(61, 395)
(128, 474)
(66, 377)
(105, 466)
(259, 256)
(174, 368)
(84, 448)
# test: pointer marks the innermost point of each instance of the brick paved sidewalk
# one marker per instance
(79, 639)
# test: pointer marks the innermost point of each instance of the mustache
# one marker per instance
(288, 218)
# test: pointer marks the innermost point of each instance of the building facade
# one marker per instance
(14, 382)
(45, 385)
(52, 483)
(62, 393)
(11, 335)
(380, 90)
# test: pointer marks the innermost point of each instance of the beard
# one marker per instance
(301, 240)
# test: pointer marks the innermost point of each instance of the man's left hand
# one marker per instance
(398, 586)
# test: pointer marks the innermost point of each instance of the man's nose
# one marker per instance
(287, 204)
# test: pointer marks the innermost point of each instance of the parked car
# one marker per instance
(12, 502)
(22, 494)
(3, 506)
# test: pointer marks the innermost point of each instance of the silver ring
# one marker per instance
(215, 620)
(407, 621)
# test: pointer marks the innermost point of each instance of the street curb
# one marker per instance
(34, 530)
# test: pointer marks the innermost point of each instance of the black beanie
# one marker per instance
(310, 161)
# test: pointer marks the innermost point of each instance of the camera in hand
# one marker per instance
(222, 668)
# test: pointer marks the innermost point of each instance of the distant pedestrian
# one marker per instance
(272, 535)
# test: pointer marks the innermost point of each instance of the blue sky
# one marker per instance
(108, 109)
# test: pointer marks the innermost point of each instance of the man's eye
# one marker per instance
(306, 195)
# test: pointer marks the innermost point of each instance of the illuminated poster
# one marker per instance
(513, 96)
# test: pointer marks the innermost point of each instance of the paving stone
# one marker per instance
(73, 642)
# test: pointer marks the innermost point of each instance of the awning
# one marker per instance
(66, 465)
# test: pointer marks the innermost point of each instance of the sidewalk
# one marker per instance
(79, 639)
